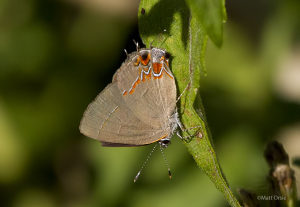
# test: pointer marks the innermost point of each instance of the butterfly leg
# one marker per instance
(189, 138)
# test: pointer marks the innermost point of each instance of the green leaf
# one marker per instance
(169, 24)
(211, 14)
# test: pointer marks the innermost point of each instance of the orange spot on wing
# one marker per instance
(137, 62)
(125, 93)
(146, 61)
(157, 67)
(134, 85)
(148, 76)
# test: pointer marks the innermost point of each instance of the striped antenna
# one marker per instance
(166, 161)
(144, 164)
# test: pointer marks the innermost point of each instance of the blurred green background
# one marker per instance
(57, 55)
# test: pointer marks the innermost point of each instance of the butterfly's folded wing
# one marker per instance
(153, 100)
(109, 120)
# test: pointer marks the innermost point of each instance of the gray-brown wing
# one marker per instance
(108, 119)
(153, 100)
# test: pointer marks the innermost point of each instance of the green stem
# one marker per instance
(171, 24)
